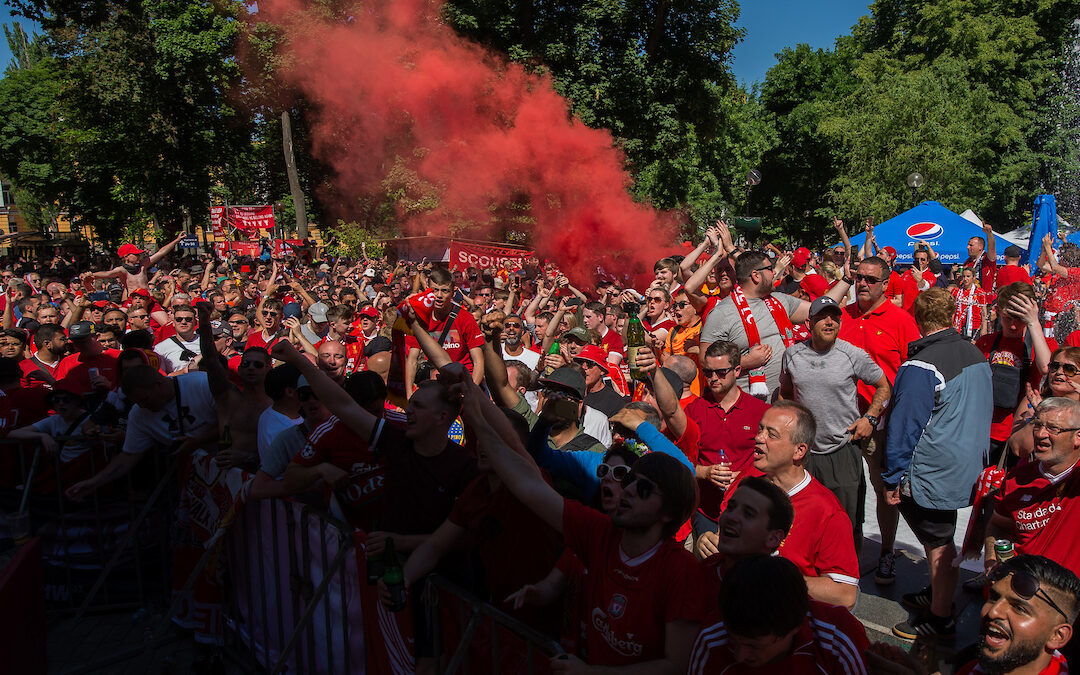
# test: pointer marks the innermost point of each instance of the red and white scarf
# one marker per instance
(790, 334)
(963, 317)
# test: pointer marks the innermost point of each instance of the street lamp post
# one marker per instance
(753, 177)
(914, 181)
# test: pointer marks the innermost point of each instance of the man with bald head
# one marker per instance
(333, 360)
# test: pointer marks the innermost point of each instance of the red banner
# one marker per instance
(286, 247)
(242, 248)
(251, 219)
(217, 215)
(484, 256)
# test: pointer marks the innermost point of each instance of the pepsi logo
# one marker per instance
(925, 231)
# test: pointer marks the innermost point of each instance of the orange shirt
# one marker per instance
(680, 339)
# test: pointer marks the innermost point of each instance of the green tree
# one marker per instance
(654, 72)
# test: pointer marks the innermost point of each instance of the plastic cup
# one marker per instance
(19, 525)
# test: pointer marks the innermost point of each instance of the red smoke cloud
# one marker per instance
(396, 84)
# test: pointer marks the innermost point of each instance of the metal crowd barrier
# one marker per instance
(293, 596)
(83, 544)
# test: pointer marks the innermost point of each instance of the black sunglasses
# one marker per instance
(1067, 368)
(867, 278)
(618, 472)
(719, 372)
(1023, 584)
(645, 486)
(681, 304)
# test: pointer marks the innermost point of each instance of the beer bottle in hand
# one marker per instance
(635, 339)
(394, 578)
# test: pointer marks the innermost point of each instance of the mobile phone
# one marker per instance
(99, 295)
(573, 302)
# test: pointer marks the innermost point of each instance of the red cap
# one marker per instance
(890, 251)
(128, 249)
(101, 304)
(815, 285)
(593, 353)
(369, 312)
(800, 257)
(141, 291)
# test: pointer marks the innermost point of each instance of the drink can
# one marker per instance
(94, 372)
(1003, 550)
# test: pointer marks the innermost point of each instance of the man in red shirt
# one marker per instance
(1036, 505)
(770, 625)
(92, 368)
(1018, 345)
(461, 339)
(820, 542)
(982, 257)
(1028, 616)
(40, 369)
(644, 599)
(919, 278)
(894, 288)
(1012, 272)
(271, 312)
(883, 331)
(610, 342)
(728, 420)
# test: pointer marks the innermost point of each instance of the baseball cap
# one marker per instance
(594, 354)
(1014, 251)
(292, 309)
(890, 251)
(220, 328)
(100, 304)
(800, 257)
(370, 312)
(673, 379)
(579, 333)
(566, 379)
(302, 382)
(141, 291)
(369, 272)
(80, 330)
(822, 304)
(815, 285)
(128, 249)
(318, 312)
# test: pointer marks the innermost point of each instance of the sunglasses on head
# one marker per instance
(645, 486)
(1023, 584)
(1067, 368)
(618, 472)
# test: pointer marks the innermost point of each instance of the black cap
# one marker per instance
(567, 379)
(80, 330)
(1014, 251)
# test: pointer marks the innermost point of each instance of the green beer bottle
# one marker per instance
(394, 578)
(635, 339)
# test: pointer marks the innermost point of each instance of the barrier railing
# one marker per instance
(292, 598)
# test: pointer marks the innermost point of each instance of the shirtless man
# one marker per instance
(239, 409)
(133, 265)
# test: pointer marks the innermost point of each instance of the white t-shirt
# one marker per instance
(54, 425)
(272, 423)
(147, 428)
(172, 354)
(528, 357)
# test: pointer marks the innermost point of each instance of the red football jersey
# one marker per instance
(334, 442)
(464, 335)
(1038, 506)
(76, 369)
(820, 543)
(33, 366)
(630, 600)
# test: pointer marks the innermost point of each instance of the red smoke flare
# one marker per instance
(396, 85)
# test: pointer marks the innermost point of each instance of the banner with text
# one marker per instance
(217, 216)
(463, 255)
(250, 219)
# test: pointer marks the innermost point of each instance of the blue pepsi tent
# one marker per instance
(930, 222)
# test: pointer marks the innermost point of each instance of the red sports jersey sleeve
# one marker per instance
(821, 542)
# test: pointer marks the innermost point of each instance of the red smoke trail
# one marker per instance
(397, 84)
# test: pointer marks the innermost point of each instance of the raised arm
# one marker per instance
(211, 362)
(686, 267)
(165, 250)
(991, 243)
(336, 400)
(842, 231)
(1052, 264)
(667, 399)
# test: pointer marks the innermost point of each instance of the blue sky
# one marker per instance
(771, 25)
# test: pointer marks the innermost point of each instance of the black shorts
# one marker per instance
(932, 527)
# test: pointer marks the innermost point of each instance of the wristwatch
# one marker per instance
(873, 420)
(849, 282)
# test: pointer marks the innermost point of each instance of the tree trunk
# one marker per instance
(657, 31)
(294, 181)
